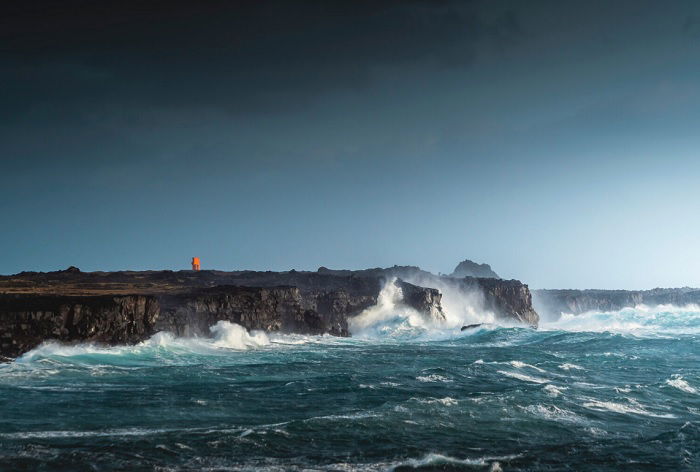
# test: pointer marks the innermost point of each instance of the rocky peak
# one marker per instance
(468, 268)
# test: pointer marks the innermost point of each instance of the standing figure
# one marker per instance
(195, 263)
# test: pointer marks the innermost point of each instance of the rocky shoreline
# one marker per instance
(551, 303)
(129, 307)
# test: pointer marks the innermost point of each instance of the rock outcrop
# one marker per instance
(282, 309)
(509, 300)
(26, 320)
(310, 304)
(552, 303)
(510, 297)
(467, 268)
(128, 307)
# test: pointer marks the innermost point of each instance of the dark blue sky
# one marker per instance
(558, 141)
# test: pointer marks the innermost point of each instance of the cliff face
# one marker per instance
(128, 307)
(27, 320)
(552, 303)
(424, 300)
(284, 309)
(318, 307)
(509, 298)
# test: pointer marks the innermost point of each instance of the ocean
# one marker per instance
(600, 391)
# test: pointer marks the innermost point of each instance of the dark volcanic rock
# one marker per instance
(471, 326)
(285, 309)
(467, 268)
(424, 300)
(508, 299)
(27, 320)
(128, 307)
(315, 304)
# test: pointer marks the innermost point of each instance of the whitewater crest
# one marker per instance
(442, 461)
(678, 382)
(390, 317)
(641, 320)
(225, 336)
(234, 336)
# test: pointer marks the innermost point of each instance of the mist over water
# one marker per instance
(601, 391)
(390, 318)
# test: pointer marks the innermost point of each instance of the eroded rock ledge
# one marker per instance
(129, 307)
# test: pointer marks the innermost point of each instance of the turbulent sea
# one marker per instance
(601, 391)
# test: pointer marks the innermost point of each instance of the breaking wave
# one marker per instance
(641, 320)
(391, 319)
(234, 336)
(678, 382)
(226, 336)
(440, 461)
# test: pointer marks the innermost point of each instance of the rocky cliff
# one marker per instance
(509, 300)
(98, 308)
(26, 320)
(552, 303)
(128, 307)
(510, 297)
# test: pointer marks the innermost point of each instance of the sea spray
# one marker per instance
(234, 336)
(389, 316)
(226, 336)
(641, 320)
(461, 305)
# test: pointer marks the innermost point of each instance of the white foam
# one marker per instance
(554, 413)
(678, 382)
(447, 401)
(225, 335)
(234, 336)
(390, 384)
(567, 366)
(353, 416)
(523, 377)
(433, 459)
(56, 349)
(84, 434)
(389, 317)
(433, 378)
(553, 390)
(641, 320)
(521, 365)
(623, 409)
(461, 306)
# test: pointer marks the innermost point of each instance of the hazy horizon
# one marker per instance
(556, 142)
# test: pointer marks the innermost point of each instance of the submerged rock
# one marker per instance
(471, 326)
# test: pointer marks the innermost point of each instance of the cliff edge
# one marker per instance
(128, 307)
